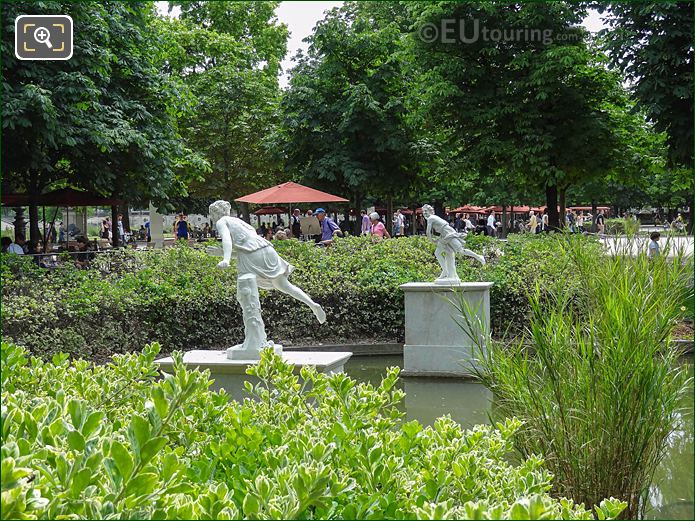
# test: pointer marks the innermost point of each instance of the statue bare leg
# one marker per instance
(445, 259)
(284, 285)
(469, 253)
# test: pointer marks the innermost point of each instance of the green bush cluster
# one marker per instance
(116, 441)
(178, 298)
(628, 227)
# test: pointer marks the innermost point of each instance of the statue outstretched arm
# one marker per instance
(226, 236)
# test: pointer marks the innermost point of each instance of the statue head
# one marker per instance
(219, 209)
(427, 211)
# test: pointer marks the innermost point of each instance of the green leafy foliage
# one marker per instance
(520, 108)
(627, 226)
(178, 298)
(227, 55)
(344, 116)
(103, 120)
(119, 441)
(652, 43)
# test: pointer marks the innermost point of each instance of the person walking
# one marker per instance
(491, 228)
(378, 228)
(653, 248)
(121, 229)
(366, 226)
(182, 228)
(601, 222)
(580, 222)
(468, 226)
(397, 223)
(295, 224)
(329, 228)
(533, 222)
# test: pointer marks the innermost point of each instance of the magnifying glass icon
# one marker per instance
(42, 35)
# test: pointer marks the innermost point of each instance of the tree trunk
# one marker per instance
(357, 228)
(245, 212)
(115, 239)
(34, 232)
(389, 215)
(594, 211)
(19, 224)
(413, 221)
(562, 194)
(126, 216)
(551, 203)
(504, 221)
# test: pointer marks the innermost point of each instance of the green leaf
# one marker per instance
(80, 481)
(250, 505)
(139, 433)
(75, 441)
(122, 458)
(142, 484)
(151, 448)
(75, 411)
(91, 425)
(161, 404)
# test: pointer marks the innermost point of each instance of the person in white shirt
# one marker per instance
(398, 222)
(467, 224)
(491, 230)
(544, 222)
(533, 222)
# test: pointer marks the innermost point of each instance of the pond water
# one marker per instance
(468, 403)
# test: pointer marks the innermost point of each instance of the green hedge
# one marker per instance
(622, 227)
(118, 441)
(178, 298)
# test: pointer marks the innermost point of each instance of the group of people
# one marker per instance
(106, 229)
(372, 224)
(82, 250)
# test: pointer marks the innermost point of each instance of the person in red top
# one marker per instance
(378, 227)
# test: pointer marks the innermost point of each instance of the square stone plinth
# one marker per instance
(437, 340)
(230, 375)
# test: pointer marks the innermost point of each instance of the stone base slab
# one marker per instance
(439, 361)
(218, 363)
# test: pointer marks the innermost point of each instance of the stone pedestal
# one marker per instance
(156, 227)
(230, 375)
(437, 340)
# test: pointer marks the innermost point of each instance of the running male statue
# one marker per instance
(449, 244)
(256, 258)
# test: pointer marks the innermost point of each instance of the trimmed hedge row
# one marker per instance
(178, 298)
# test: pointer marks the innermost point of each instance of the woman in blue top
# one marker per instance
(182, 228)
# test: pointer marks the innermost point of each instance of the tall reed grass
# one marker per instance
(596, 379)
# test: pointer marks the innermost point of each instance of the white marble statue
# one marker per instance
(259, 265)
(449, 243)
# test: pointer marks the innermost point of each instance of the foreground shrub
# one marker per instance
(114, 441)
(178, 298)
(598, 391)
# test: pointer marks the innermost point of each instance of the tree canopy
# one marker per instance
(652, 44)
(228, 56)
(104, 120)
